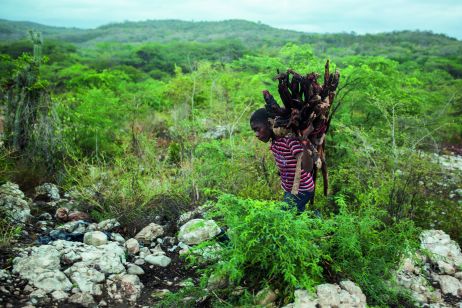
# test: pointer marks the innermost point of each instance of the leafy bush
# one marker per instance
(276, 247)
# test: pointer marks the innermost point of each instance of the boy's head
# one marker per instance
(260, 125)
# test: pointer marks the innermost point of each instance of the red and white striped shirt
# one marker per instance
(285, 150)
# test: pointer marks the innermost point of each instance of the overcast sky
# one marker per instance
(361, 16)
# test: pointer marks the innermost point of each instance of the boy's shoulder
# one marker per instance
(287, 139)
(288, 143)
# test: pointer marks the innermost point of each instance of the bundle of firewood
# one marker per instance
(306, 111)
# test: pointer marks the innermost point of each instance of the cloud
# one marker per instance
(362, 16)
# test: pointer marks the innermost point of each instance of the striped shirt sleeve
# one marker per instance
(295, 147)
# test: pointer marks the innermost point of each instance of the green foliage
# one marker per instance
(92, 121)
(236, 169)
(367, 251)
(8, 232)
(135, 125)
(134, 188)
(270, 245)
(6, 165)
(184, 298)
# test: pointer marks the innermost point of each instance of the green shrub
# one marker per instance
(276, 247)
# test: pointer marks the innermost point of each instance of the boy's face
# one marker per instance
(262, 131)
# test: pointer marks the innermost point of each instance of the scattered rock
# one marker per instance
(169, 240)
(13, 204)
(198, 230)
(47, 192)
(95, 238)
(445, 267)
(78, 226)
(124, 287)
(59, 295)
(157, 251)
(162, 261)
(139, 261)
(85, 277)
(438, 270)
(328, 294)
(63, 214)
(42, 268)
(449, 284)
(134, 270)
(4, 274)
(84, 299)
(305, 299)
(265, 297)
(118, 238)
(108, 225)
(51, 281)
(185, 217)
(354, 290)
(38, 296)
(132, 246)
(441, 247)
(150, 233)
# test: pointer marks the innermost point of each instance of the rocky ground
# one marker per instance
(62, 260)
(58, 258)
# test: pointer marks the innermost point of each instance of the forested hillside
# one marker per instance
(144, 121)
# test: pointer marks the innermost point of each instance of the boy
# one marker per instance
(292, 159)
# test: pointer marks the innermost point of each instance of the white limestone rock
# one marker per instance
(161, 260)
(441, 247)
(354, 291)
(124, 287)
(134, 269)
(95, 238)
(51, 281)
(13, 203)
(40, 259)
(84, 299)
(48, 191)
(198, 230)
(84, 276)
(449, 284)
(157, 251)
(38, 296)
(304, 299)
(118, 238)
(108, 224)
(265, 297)
(149, 233)
(59, 295)
(132, 245)
(348, 295)
(109, 258)
(77, 226)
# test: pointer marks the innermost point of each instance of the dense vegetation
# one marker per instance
(146, 119)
